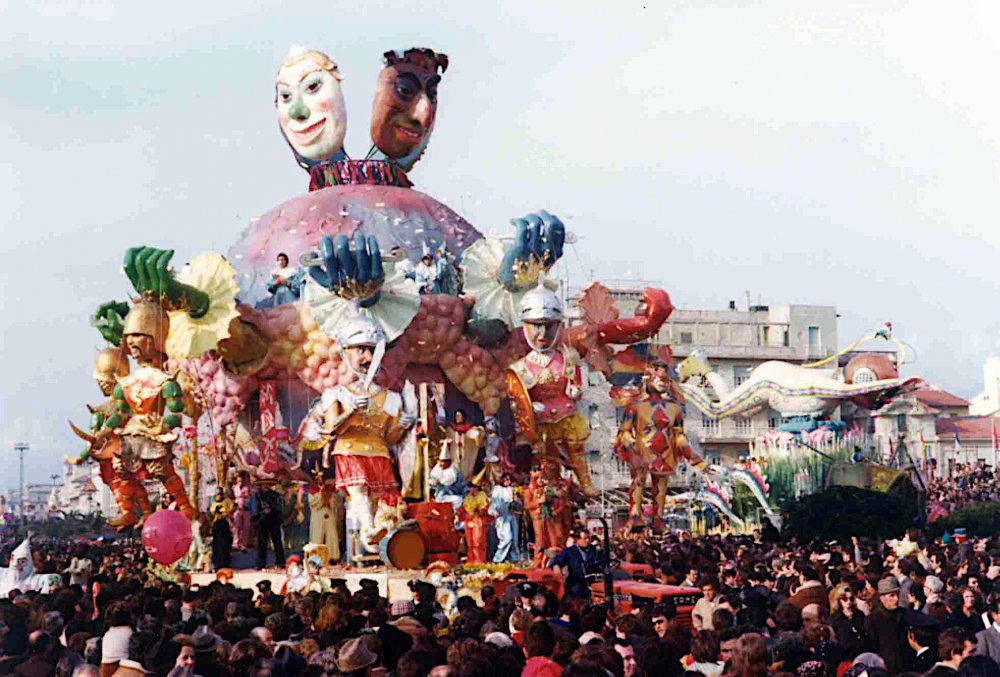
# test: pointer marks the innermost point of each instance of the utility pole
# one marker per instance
(20, 448)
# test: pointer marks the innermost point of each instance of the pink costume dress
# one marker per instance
(241, 517)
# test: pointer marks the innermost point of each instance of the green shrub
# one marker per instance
(842, 512)
(979, 519)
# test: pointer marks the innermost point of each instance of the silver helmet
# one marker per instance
(360, 330)
(541, 305)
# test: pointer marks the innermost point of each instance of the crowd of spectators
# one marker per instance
(819, 609)
(965, 485)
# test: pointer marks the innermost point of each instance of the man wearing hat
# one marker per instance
(921, 635)
(355, 658)
(886, 627)
(206, 663)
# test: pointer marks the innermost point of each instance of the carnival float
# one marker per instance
(409, 382)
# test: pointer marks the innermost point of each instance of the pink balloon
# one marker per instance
(166, 536)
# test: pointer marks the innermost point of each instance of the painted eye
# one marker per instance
(314, 86)
(407, 86)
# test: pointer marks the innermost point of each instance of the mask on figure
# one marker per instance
(361, 341)
(658, 377)
(541, 315)
(542, 336)
(310, 103)
(141, 347)
(108, 366)
(359, 359)
(405, 103)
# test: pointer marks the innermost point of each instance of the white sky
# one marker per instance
(808, 152)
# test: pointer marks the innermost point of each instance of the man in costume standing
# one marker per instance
(507, 510)
(544, 387)
(128, 492)
(474, 513)
(149, 402)
(356, 423)
(651, 439)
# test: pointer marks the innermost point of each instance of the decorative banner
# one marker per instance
(271, 430)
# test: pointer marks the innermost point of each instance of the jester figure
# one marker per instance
(544, 387)
(148, 403)
(128, 492)
(651, 439)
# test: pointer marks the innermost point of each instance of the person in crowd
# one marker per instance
(701, 616)
(578, 560)
(954, 646)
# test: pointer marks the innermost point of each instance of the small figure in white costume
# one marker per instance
(445, 480)
(20, 575)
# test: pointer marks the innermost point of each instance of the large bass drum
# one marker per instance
(403, 549)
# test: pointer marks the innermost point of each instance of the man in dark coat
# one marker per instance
(887, 629)
(266, 513)
(921, 635)
(579, 559)
(810, 591)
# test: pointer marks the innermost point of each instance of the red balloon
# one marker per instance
(166, 536)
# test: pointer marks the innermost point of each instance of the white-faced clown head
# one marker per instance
(311, 110)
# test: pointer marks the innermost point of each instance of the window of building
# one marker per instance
(773, 422)
(743, 424)
(709, 425)
(687, 337)
(814, 337)
(741, 374)
(901, 423)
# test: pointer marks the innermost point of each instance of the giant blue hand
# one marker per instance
(350, 272)
(538, 244)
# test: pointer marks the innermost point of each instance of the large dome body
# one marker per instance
(396, 216)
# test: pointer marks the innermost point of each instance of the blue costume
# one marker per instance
(503, 507)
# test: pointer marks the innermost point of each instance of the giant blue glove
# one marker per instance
(351, 273)
(538, 244)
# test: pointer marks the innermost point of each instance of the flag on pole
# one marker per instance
(958, 444)
(996, 442)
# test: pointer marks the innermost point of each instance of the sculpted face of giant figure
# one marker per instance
(310, 104)
(406, 102)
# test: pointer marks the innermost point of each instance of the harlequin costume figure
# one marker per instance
(651, 438)
(128, 492)
(355, 424)
(544, 387)
(474, 513)
(148, 403)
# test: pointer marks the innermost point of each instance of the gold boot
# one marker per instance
(580, 467)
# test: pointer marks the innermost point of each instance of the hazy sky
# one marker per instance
(804, 153)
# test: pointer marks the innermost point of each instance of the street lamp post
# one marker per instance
(20, 448)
